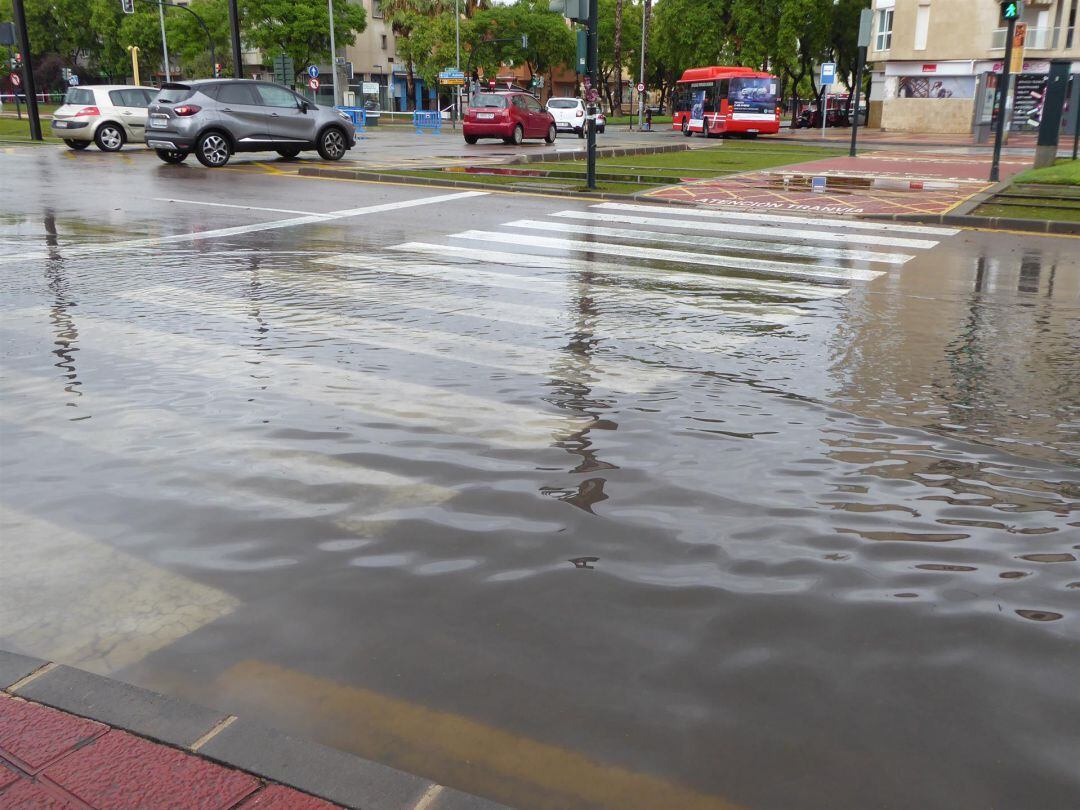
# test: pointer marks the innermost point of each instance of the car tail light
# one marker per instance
(187, 109)
(580, 114)
(88, 111)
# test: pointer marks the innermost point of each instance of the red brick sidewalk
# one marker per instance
(52, 759)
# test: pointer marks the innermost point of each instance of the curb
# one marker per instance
(241, 744)
(360, 174)
(601, 152)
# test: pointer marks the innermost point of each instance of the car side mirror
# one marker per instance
(304, 106)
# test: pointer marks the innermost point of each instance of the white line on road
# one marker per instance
(239, 230)
(766, 231)
(569, 264)
(820, 222)
(243, 207)
(716, 260)
(668, 237)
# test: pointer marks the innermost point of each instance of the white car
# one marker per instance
(569, 115)
(108, 115)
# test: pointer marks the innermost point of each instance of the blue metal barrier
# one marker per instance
(427, 119)
(358, 116)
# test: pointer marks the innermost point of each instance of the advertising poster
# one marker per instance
(697, 107)
(753, 98)
(1028, 96)
(935, 87)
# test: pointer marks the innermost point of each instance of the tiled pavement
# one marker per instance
(75, 741)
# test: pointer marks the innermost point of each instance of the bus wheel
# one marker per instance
(705, 129)
(686, 128)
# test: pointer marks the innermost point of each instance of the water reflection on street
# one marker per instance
(566, 538)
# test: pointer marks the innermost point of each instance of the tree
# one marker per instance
(611, 69)
(299, 28)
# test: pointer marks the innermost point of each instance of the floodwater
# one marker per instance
(589, 533)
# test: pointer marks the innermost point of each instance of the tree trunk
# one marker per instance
(618, 57)
(410, 87)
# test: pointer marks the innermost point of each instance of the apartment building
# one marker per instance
(935, 62)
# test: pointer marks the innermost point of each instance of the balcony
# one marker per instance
(1037, 39)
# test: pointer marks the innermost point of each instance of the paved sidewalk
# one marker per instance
(880, 183)
(72, 740)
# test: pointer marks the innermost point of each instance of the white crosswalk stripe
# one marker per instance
(668, 237)
(780, 219)
(778, 230)
(681, 256)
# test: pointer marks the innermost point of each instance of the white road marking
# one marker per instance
(766, 231)
(67, 596)
(239, 230)
(366, 393)
(611, 373)
(688, 280)
(715, 260)
(669, 237)
(243, 207)
(230, 473)
(820, 222)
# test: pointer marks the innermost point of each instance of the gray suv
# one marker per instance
(216, 117)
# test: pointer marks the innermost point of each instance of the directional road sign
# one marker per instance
(313, 71)
(313, 83)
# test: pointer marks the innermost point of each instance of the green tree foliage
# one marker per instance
(299, 28)
(610, 69)
(494, 38)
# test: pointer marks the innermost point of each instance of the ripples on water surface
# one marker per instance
(835, 540)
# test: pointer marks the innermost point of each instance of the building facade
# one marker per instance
(935, 62)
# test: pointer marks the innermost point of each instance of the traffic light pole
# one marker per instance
(28, 71)
(1003, 97)
(593, 73)
(234, 32)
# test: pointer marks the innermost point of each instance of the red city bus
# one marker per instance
(721, 100)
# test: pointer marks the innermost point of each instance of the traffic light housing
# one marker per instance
(577, 10)
(1011, 10)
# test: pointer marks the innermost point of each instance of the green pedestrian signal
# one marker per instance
(1011, 10)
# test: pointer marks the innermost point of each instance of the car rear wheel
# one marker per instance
(332, 144)
(580, 132)
(601, 130)
(552, 134)
(517, 137)
(212, 150)
(78, 146)
(171, 155)
(471, 139)
(109, 137)
(289, 153)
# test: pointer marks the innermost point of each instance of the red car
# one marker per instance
(510, 116)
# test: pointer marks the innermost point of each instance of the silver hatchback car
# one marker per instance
(215, 118)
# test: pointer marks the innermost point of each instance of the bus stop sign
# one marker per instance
(828, 73)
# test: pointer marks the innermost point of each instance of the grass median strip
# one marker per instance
(631, 174)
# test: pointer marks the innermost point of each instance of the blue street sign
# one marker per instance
(73, 80)
(817, 184)
(313, 72)
(828, 73)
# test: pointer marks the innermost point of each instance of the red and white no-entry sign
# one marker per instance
(313, 83)
(16, 79)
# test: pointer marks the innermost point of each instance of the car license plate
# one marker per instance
(159, 122)
(59, 124)
(485, 115)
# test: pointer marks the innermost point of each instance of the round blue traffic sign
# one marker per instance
(313, 72)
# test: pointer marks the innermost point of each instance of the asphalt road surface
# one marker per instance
(565, 503)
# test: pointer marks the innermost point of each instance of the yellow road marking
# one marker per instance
(67, 597)
(453, 749)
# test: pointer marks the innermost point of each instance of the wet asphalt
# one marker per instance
(565, 504)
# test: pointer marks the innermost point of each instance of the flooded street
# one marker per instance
(568, 504)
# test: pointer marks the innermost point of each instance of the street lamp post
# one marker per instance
(164, 43)
(28, 71)
(333, 53)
